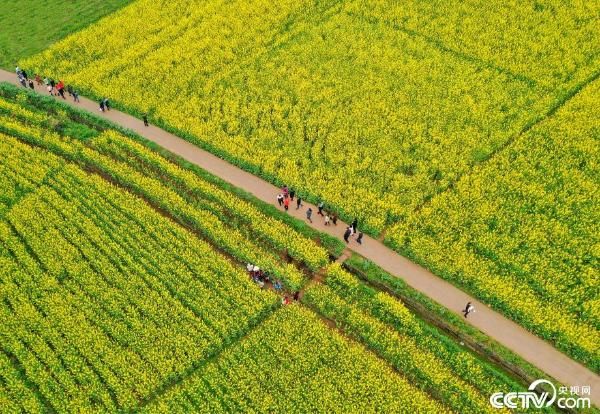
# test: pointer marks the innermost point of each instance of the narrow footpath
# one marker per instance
(531, 348)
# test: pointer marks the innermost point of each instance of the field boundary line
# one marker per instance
(558, 103)
(181, 377)
(440, 45)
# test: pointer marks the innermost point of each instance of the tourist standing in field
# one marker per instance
(469, 308)
(347, 234)
(309, 214)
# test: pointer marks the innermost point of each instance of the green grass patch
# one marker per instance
(31, 26)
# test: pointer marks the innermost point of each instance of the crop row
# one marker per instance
(99, 318)
(228, 221)
(449, 373)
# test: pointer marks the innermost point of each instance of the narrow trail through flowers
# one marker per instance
(533, 349)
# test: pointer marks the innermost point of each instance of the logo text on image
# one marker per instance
(531, 399)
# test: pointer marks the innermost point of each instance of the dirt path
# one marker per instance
(533, 349)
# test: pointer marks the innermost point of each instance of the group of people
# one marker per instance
(286, 197)
(59, 88)
(53, 87)
(351, 230)
(261, 278)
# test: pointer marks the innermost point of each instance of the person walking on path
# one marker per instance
(298, 202)
(320, 206)
(60, 88)
(106, 104)
(22, 81)
(286, 203)
(145, 118)
(309, 214)
(360, 237)
(469, 308)
(31, 85)
(285, 190)
(354, 225)
(327, 219)
(75, 96)
(292, 194)
(102, 105)
(334, 219)
(24, 74)
(38, 79)
(347, 234)
(280, 199)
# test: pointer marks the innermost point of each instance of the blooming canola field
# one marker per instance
(403, 115)
(373, 109)
(124, 288)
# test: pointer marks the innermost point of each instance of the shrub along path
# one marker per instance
(533, 349)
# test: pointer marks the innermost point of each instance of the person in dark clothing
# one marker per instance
(292, 194)
(145, 118)
(24, 74)
(309, 214)
(359, 239)
(334, 219)
(31, 85)
(320, 206)
(280, 199)
(106, 104)
(347, 234)
(298, 202)
(70, 90)
(469, 308)
(75, 96)
(102, 105)
(354, 225)
(297, 296)
(52, 83)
